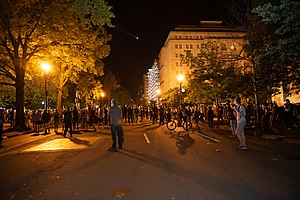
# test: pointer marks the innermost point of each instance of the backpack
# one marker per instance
(230, 114)
(246, 114)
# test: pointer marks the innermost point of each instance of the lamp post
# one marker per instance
(158, 93)
(46, 67)
(102, 96)
(180, 78)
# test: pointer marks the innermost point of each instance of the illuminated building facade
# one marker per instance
(192, 39)
(152, 82)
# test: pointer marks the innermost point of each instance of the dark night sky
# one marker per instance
(151, 21)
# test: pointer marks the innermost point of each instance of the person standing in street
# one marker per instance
(240, 111)
(210, 116)
(116, 117)
(68, 122)
(56, 120)
(232, 119)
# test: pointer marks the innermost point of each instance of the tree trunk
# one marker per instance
(20, 117)
(59, 96)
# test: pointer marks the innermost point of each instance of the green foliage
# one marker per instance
(283, 51)
(69, 34)
(122, 95)
(7, 96)
(215, 76)
(94, 12)
(171, 97)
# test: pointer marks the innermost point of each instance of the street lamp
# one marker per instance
(180, 78)
(102, 94)
(46, 67)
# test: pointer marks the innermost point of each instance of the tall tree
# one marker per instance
(29, 28)
(110, 83)
(122, 95)
(241, 15)
(214, 75)
(282, 50)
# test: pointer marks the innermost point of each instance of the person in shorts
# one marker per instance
(240, 111)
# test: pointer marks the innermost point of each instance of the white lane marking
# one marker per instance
(146, 138)
(205, 136)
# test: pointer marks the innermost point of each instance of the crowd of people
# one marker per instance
(273, 117)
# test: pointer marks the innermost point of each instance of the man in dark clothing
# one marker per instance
(155, 114)
(116, 118)
(68, 122)
(161, 115)
(130, 115)
(210, 116)
(75, 117)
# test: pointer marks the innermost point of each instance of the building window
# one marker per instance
(191, 46)
(187, 46)
(191, 37)
(223, 47)
(176, 46)
(177, 64)
(180, 37)
(176, 37)
(198, 46)
(180, 46)
(187, 37)
(176, 55)
(197, 37)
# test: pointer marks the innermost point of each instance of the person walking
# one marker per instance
(56, 120)
(232, 119)
(68, 122)
(240, 111)
(75, 118)
(116, 117)
(210, 116)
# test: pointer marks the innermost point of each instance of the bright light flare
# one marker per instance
(46, 67)
(180, 77)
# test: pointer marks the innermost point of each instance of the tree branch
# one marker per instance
(10, 84)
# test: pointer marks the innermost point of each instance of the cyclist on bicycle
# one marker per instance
(197, 114)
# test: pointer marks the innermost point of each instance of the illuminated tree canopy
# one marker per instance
(70, 34)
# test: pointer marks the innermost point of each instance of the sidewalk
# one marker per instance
(13, 139)
(291, 136)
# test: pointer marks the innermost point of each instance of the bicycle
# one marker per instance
(185, 124)
(199, 121)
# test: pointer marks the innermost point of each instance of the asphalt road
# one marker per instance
(155, 164)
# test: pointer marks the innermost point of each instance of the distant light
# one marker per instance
(137, 38)
(46, 67)
(43, 102)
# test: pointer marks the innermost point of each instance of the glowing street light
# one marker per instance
(102, 95)
(46, 67)
(180, 78)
